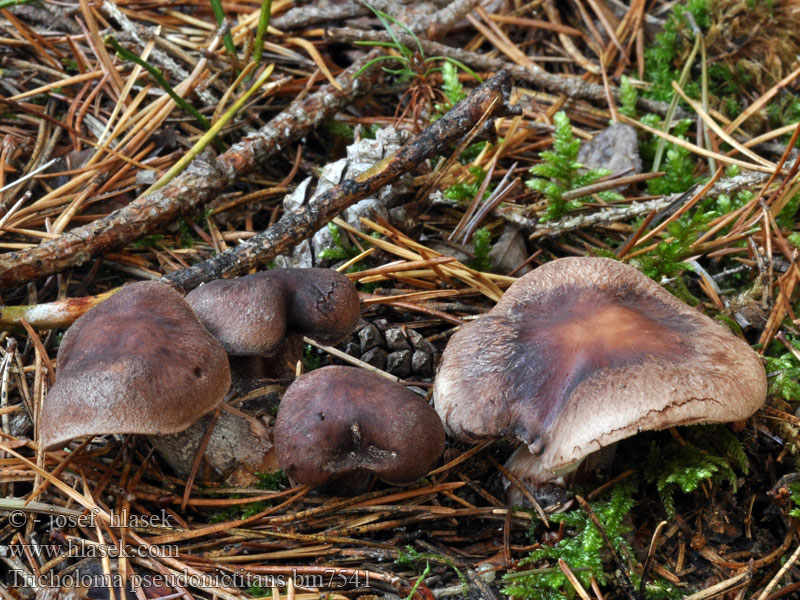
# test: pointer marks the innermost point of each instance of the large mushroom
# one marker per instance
(583, 352)
(340, 423)
(139, 362)
(267, 313)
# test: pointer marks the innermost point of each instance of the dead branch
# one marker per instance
(441, 21)
(572, 87)
(638, 209)
(308, 16)
(487, 101)
(201, 182)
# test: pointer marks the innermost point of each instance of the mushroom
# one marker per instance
(139, 362)
(338, 423)
(257, 314)
(583, 352)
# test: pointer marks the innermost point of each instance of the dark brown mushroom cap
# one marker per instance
(246, 314)
(339, 421)
(139, 362)
(583, 352)
(251, 315)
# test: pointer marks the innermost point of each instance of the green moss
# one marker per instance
(370, 132)
(464, 192)
(253, 509)
(419, 581)
(258, 591)
(786, 219)
(712, 453)
(338, 128)
(70, 64)
(311, 358)
(794, 498)
(666, 259)
(271, 481)
(451, 88)
(185, 232)
(663, 56)
(677, 167)
(341, 250)
(239, 511)
(783, 370)
(628, 96)
(560, 172)
(410, 555)
(482, 245)
(149, 241)
(678, 175)
(783, 109)
(472, 151)
(582, 548)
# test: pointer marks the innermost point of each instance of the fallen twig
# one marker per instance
(574, 87)
(487, 101)
(205, 178)
(610, 215)
(52, 315)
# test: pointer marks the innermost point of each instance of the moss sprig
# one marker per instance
(560, 172)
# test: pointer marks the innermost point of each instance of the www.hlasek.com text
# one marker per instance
(79, 548)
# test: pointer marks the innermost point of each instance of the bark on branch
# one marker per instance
(487, 101)
(205, 178)
(573, 87)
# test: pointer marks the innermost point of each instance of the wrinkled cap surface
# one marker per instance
(252, 315)
(583, 352)
(338, 421)
(139, 362)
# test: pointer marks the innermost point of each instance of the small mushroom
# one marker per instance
(583, 352)
(341, 422)
(262, 313)
(139, 362)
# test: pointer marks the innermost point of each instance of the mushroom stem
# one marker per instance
(549, 487)
(280, 365)
(238, 447)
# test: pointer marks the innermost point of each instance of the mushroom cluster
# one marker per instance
(143, 362)
(583, 352)
(578, 354)
(149, 361)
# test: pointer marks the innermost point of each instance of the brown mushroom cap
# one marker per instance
(252, 315)
(583, 352)
(139, 362)
(339, 421)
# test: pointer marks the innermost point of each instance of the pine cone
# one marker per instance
(400, 351)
